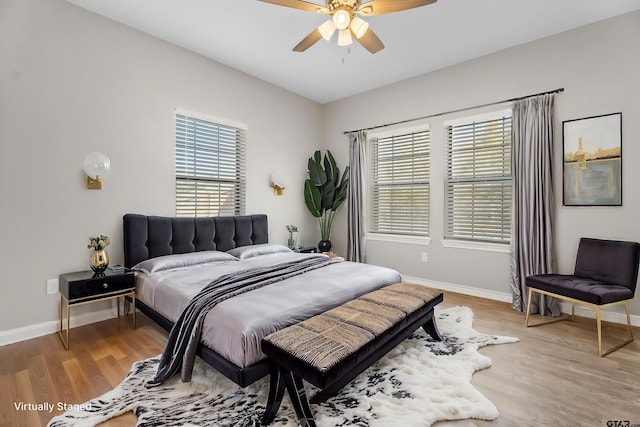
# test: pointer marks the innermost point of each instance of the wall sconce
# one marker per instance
(96, 165)
(277, 184)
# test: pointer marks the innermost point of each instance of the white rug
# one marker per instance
(416, 384)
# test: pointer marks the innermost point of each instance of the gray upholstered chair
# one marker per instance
(605, 274)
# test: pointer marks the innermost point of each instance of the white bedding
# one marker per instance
(235, 327)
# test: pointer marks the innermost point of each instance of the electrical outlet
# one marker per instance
(53, 286)
(425, 256)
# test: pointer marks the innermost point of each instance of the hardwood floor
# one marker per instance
(552, 377)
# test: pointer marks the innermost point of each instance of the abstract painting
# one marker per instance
(592, 161)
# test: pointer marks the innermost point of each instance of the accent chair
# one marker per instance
(605, 274)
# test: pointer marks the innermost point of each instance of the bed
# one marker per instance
(176, 257)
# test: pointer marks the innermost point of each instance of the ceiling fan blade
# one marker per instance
(380, 7)
(370, 41)
(299, 4)
(308, 41)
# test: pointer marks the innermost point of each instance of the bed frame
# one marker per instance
(152, 236)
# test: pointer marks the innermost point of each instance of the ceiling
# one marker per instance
(257, 37)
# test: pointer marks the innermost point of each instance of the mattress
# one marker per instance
(235, 327)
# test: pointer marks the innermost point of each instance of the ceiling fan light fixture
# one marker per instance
(327, 29)
(359, 26)
(344, 38)
(341, 19)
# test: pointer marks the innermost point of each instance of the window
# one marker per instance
(400, 184)
(210, 168)
(478, 179)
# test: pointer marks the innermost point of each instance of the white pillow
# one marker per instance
(245, 252)
(168, 262)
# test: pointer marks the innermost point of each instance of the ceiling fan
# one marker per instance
(343, 18)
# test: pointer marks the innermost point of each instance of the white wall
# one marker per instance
(72, 82)
(598, 65)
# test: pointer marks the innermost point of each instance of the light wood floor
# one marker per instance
(552, 377)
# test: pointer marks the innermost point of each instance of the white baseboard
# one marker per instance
(34, 331)
(565, 307)
(460, 289)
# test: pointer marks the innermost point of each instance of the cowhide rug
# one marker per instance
(416, 384)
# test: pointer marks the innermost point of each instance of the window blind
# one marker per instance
(400, 184)
(210, 168)
(478, 181)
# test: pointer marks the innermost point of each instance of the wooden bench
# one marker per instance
(331, 349)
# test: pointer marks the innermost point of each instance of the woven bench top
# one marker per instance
(326, 339)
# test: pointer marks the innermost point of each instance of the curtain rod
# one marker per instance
(458, 110)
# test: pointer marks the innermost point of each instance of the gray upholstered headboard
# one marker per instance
(152, 236)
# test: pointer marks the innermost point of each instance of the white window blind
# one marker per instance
(478, 180)
(210, 168)
(400, 184)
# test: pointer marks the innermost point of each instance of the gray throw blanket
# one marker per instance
(180, 352)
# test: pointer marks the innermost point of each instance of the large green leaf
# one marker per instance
(331, 189)
(339, 199)
(328, 192)
(313, 198)
(335, 176)
(329, 171)
(316, 174)
(341, 191)
(344, 182)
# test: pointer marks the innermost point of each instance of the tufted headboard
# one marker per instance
(152, 236)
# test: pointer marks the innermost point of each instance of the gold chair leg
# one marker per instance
(526, 322)
(622, 344)
(557, 319)
(626, 307)
(599, 320)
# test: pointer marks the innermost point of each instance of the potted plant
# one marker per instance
(324, 192)
(292, 241)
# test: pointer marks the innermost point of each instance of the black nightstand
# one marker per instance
(308, 249)
(83, 287)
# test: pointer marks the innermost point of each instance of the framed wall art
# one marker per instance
(592, 161)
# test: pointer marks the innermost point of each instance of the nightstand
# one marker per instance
(83, 287)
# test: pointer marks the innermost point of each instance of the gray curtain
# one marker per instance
(532, 248)
(356, 227)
